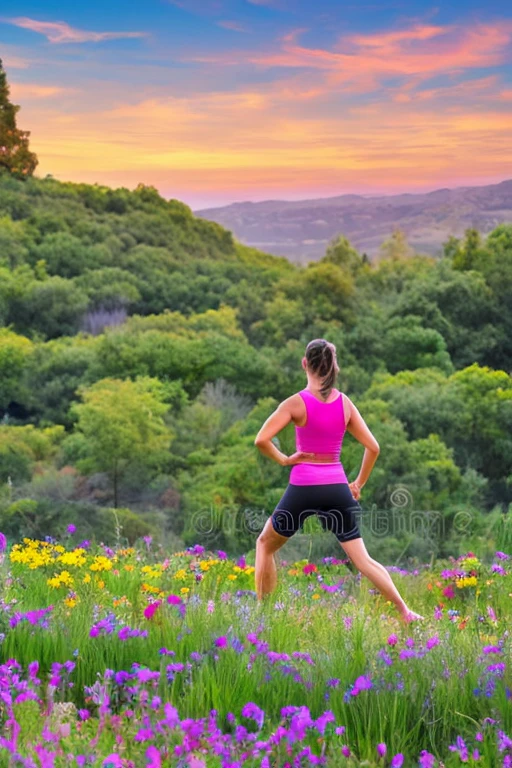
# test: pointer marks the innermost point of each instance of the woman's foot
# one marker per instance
(408, 616)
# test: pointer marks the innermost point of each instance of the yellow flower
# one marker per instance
(249, 569)
(315, 596)
(70, 602)
(466, 581)
(204, 565)
(181, 574)
(232, 576)
(77, 557)
(129, 567)
(237, 569)
(101, 563)
(87, 578)
(101, 584)
(184, 590)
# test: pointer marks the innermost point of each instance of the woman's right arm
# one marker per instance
(277, 421)
(359, 429)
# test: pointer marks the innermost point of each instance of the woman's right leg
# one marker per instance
(378, 575)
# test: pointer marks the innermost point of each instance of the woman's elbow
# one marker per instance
(258, 441)
(376, 448)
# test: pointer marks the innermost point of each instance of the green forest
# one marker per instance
(141, 348)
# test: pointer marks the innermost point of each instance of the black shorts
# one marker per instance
(334, 504)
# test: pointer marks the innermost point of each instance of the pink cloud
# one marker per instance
(60, 32)
(361, 63)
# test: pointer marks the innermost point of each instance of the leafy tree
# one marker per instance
(409, 345)
(396, 248)
(344, 255)
(14, 352)
(53, 307)
(123, 427)
(15, 155)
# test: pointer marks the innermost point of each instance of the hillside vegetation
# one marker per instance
(141, 348)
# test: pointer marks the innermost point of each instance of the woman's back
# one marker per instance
(323, 435)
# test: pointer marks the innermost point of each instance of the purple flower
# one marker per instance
(154, 757)
(112, 761)
(144, 734)
(221, 642)
(502, 556)
(491, 649)
(381, 749)
(3, 542)
(363, 683)
(426, 759)
(432, 641)
(253, 712)
(397, 761)
(345, 751)
(392, 640)
(71, 529)
(321, 722)
(221, 555)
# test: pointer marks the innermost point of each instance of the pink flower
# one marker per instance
(173, 599)
(309, 568)
(345, 750)
(449, 592)
(392, 640)
(221, 642)
(196, 762)
(151, 609)
(381, 749)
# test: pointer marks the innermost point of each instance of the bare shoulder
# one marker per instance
(348, 406)
(294, 405)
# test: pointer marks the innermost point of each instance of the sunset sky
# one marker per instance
(217, 101)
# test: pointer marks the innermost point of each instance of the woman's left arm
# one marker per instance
(273, 425)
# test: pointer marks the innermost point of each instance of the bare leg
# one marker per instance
(378, 575)
(265, 568)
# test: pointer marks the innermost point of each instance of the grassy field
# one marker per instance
(132, 657)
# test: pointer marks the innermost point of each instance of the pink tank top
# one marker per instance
(323, 434)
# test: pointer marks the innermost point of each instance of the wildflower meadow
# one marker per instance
(125, 657)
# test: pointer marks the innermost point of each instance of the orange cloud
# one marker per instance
(60, 32)
(33, 91)
(302, 135)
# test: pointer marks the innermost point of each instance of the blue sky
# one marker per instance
(215, 101)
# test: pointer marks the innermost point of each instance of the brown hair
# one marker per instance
(321, 360)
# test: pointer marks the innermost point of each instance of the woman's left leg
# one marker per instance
(269, 541)
(378, 575)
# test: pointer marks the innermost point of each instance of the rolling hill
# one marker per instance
(301, 230)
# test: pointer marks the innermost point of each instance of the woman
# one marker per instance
(317, 483)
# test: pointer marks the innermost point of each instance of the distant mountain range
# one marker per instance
(301, 230)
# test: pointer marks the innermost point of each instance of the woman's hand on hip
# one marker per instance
(355, 489)
(298, 458)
